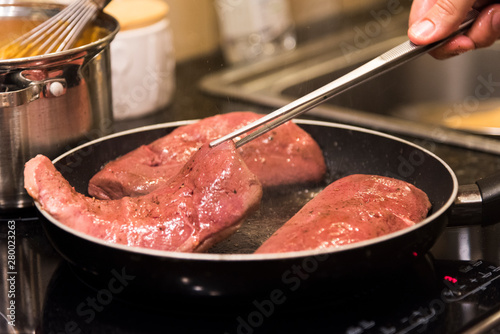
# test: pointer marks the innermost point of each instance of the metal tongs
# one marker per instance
(381, 64)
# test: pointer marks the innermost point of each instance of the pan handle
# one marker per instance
(477, 203)
(490, 194)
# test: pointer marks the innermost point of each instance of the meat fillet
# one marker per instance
(352, 209)
(203, 203)
(285, 155)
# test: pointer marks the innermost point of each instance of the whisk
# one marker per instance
(58, 33)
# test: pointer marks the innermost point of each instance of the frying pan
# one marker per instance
(230, 268)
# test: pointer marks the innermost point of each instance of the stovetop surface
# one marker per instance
(441, 292)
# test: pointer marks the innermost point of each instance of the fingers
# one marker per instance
(432, 20)
(419, 9)
(484, 32)
(486, 29)
(454, 47)
(435, 20)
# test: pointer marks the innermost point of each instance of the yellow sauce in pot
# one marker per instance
(16, 27)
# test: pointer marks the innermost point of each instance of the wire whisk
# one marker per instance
(60, 32)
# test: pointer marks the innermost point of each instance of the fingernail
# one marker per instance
(422, 29)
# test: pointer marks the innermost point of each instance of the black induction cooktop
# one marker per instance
(440, 292)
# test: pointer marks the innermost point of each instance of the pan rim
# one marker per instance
(254, 257)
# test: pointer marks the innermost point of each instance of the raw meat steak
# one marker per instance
(204, 203)
(285, 155)
(352, 209)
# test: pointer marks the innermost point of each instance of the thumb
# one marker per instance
(442, 19)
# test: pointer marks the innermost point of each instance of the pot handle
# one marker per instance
(477, 203)
(19, 97)
(25, 91)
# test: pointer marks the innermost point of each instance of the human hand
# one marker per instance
(433, 20)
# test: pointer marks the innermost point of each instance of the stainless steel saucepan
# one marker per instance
(50, 103)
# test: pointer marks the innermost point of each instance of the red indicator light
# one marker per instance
(415, 254)
(450, 279)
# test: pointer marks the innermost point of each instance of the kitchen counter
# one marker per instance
(44, 279)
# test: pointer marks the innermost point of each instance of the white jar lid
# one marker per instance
(133, 14)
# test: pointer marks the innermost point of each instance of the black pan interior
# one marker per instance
(347, 151)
